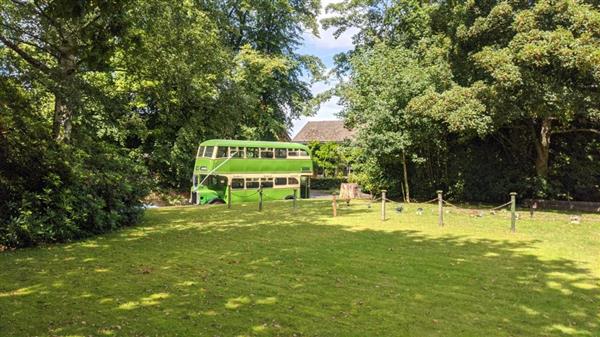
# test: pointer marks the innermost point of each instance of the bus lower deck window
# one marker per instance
(266, 182)
(251, 183)
(237, 183)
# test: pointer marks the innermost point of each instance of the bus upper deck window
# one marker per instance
(292, 181)
(281, 153)
(292, 153)
(208, 153)
(266, 153)
(222, 152)
(280, 181)
(252, 152)
(236, 152)
(303, 153)
(200, 152)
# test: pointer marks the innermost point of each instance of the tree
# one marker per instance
(218, 69)
(272, 30)
(514, 77)
(541, 73)
(375, 101)
(61, 41)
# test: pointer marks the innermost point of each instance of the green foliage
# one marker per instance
(58, 192)
(513, 82)
(326, 183)
(101, 100)
(329, 158)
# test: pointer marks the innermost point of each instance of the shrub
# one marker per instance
(326, 183)
(59, 193)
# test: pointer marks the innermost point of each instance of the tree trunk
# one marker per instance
(63, 114)
(542, 148)
(407, 191)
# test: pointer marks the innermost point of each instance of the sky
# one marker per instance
(325, 47)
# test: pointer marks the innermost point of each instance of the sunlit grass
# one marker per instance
(213, 271)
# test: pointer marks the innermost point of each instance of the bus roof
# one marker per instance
(253, 143)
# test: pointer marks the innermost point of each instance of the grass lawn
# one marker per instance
(192, 271)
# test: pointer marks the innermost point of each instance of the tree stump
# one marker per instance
(349, 191)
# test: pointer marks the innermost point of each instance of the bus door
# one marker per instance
(304, 187)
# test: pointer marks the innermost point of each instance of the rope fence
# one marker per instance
(473, 212)
(443, 207)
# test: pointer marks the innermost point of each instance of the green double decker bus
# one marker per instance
(236, 169)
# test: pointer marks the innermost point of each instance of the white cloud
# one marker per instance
(325, 45)
(327, 41)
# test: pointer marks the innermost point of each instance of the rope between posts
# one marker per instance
(434, 199)
(461, 209)
(446, 202)
(249, 195)
(392, 201)
(498, 207)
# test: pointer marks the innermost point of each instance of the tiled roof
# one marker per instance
(324, 131)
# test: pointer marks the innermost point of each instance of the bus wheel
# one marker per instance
(216, 201)
(288, 197)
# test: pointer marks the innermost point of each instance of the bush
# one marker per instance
(326, 183)
(59, 193)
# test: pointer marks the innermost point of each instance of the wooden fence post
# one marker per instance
(294, 200)
(334, 205)
(513, 214)
(229, 196)
(440, 209)
(383, 204)
(260, 198)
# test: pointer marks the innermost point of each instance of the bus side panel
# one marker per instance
(241, 195)
(277, 193)
(251, 195)
(264, 166)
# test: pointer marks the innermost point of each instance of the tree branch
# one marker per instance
(89, 23)
(41, 12)
(52, 49)
(30, 59)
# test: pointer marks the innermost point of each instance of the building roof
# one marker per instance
(252, 143)
(324, 131)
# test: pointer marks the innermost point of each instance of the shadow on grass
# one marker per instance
(190, 271)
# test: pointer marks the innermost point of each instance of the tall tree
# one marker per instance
(535, 67)
(520, 75)
(375, 101)
(272, 29)
(60, 41)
